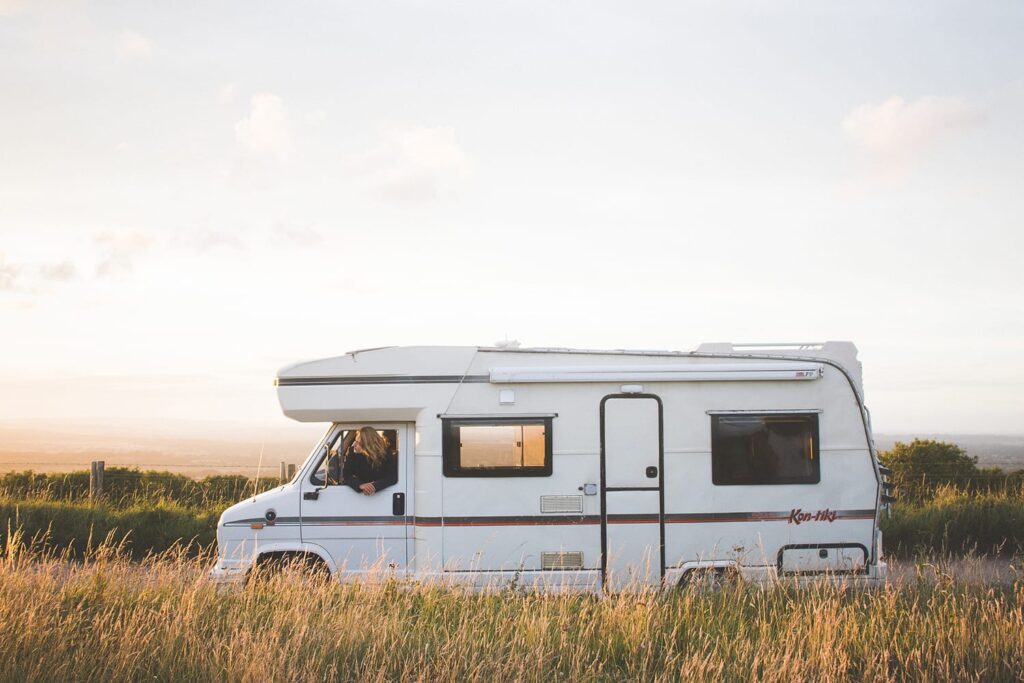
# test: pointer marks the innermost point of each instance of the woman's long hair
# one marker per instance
(372, 445)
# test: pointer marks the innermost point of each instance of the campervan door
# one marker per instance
(365, 535)
(632, 491)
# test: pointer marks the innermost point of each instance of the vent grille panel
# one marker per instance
(561, 504)
(570, 559)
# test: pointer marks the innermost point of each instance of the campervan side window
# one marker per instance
(765, 449)
(497, 447)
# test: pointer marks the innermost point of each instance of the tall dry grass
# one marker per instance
(957, 520)
(108, 618)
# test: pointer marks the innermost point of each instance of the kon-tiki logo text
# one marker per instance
(798, 516)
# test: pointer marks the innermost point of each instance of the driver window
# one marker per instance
(342, 446)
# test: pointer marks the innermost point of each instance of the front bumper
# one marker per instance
(228, 574)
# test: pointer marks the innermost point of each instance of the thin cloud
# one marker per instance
(416, 164)
(28, 278)
(9, 8)
(317, 117)
(64, 271)
(894, 135)
(208, 240)
(302, 236)
(228, 94)
(9, 274)
(119, 252)
(132, 46)
(265, 131)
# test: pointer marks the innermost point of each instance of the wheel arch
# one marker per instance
(269, 550)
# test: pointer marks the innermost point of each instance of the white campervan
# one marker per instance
(568, 468)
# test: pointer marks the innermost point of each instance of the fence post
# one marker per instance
(96, 479)
(291, 471)
(283, 474)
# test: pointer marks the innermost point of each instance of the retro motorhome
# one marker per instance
(568, 468)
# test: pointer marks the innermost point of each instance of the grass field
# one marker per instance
(110, 618)
(117, 590)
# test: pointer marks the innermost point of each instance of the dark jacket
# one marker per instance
(357, 470)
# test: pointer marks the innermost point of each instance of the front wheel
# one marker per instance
(289, 566)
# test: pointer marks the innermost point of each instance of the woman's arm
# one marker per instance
(388, 473)
(348, 472)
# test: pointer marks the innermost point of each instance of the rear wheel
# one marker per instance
(710, 578)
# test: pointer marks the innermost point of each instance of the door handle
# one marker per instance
(398, 504)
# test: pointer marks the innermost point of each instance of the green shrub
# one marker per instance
(127, 486)
(957, 521)
(143, 528)
(923, 466)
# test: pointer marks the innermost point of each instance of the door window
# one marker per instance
(346, 460)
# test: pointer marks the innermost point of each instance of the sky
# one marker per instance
(193, 195)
